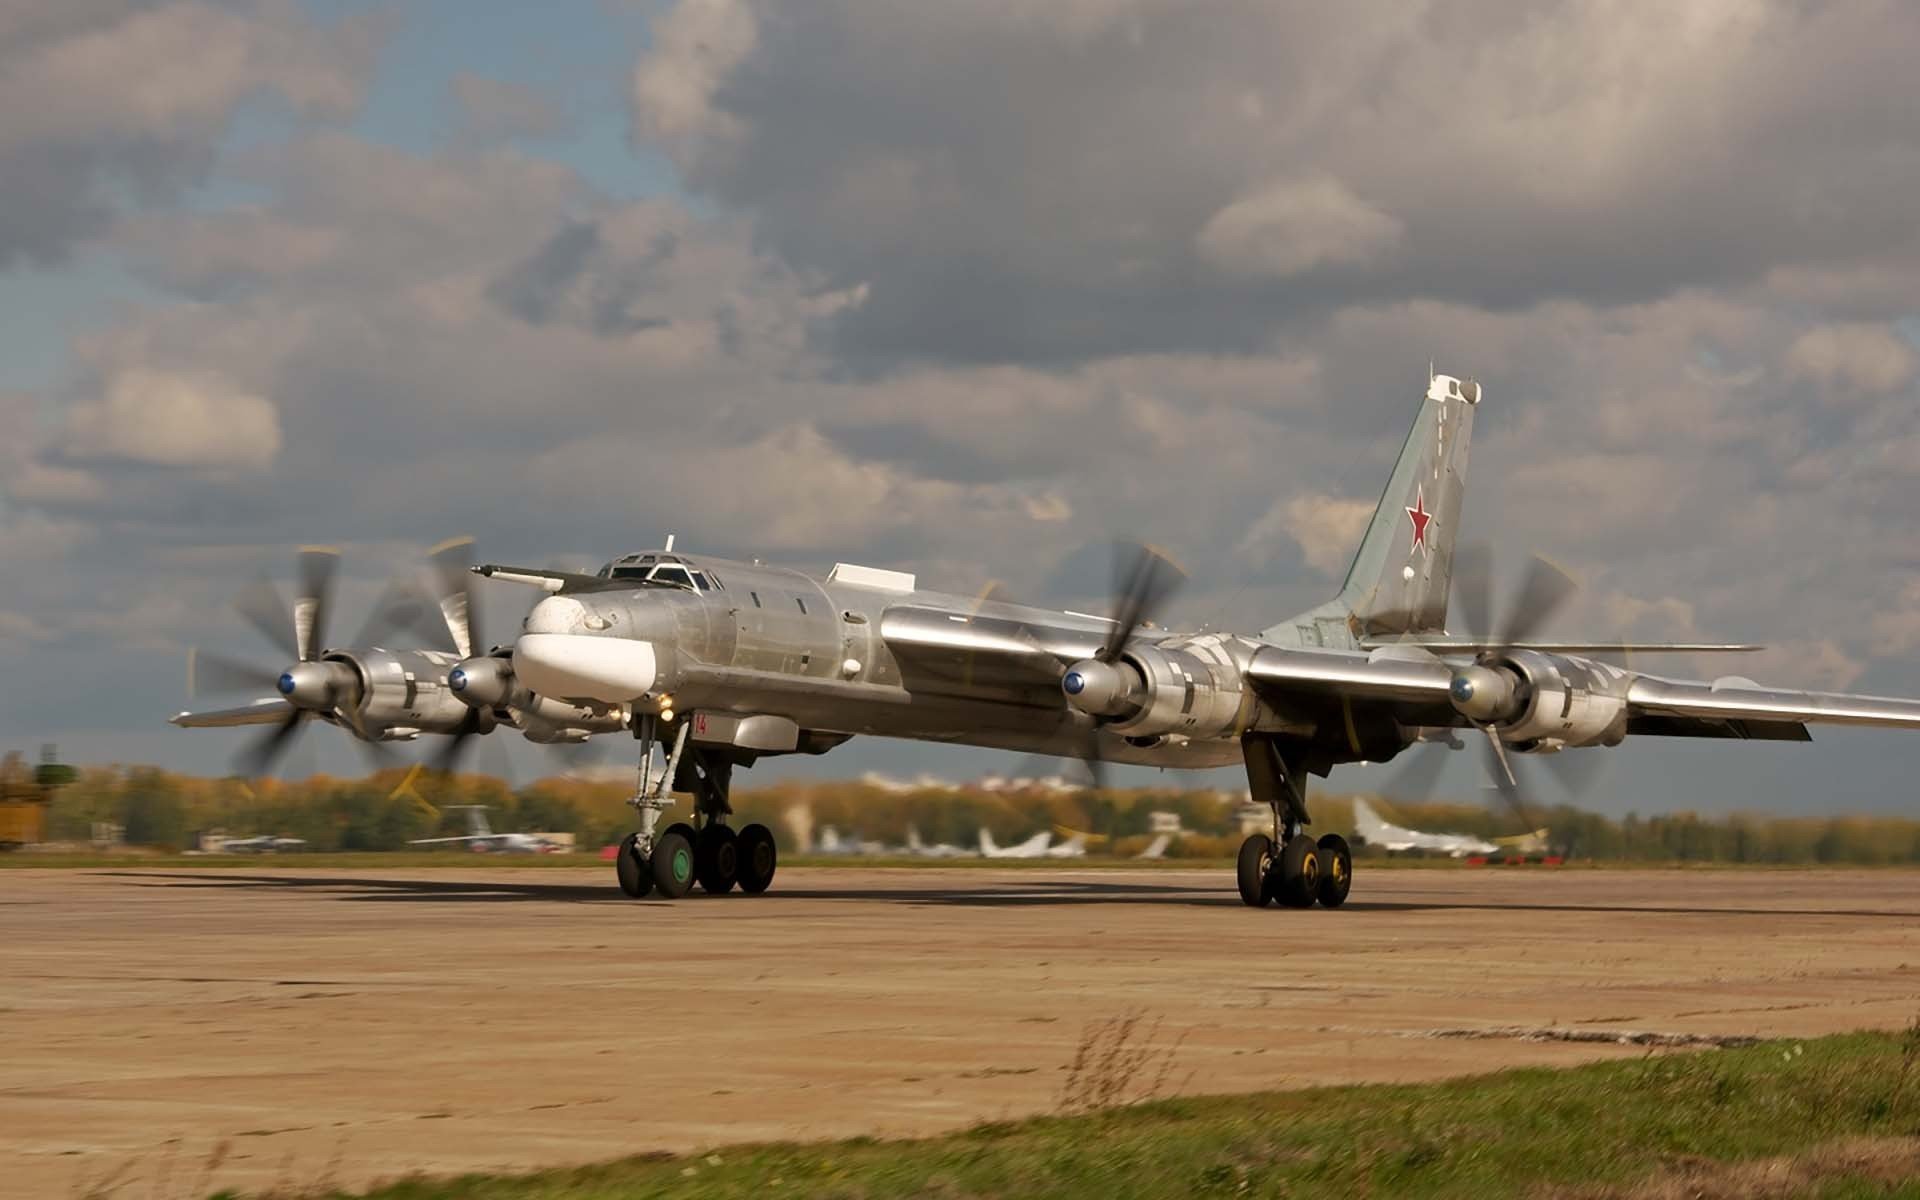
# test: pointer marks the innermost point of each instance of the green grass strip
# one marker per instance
(1841, 1110)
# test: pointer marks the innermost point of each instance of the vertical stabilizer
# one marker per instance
(1399, 578)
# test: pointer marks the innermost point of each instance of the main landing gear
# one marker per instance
(1288, 867)
(708, 851)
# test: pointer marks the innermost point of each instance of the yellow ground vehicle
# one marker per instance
(24, 796)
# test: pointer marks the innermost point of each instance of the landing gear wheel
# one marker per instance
(716, 859)
(1296, 876)
(684, 830)
(672, 865)
(757, 857)
(1336, 871)
(636, 879)
(1256, 861)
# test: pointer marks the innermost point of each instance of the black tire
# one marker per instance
(758, 857)
(716, 859)
(1256, 861)
(684, 830)
(672, 866)
(636, 877)
(1296, 874)
(1336, 871)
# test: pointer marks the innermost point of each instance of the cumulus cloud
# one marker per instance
(1326, 528)
(1863, 358)
(174, 420)
(122, 100)
(1290, 227)
(696, 46)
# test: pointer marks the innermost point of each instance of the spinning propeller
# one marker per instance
(1145, 580)
(451, 577)
(312, 686)
(1483, 694)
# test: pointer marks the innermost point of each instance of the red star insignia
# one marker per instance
(1420, 517)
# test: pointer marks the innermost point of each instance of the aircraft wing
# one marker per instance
(1383, 674)
(260, 712)
(1414, 687)
(1729, 701)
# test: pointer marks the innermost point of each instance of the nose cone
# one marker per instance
(482, 682)
(308, 684)
(1481, 693)
(1097, 687)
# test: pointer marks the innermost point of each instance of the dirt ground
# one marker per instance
(359, 1025)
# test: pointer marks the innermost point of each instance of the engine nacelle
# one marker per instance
(1546, 701)
(1194, 689)
(406, 689)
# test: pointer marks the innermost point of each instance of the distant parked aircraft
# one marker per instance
(1156, 848)
(1033, 847)
(1073, 847)
(264, 844)
(921, 849)
(831, 843)
(1376, 832)
(481, 837)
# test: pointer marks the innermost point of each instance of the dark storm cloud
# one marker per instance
(1055, 181)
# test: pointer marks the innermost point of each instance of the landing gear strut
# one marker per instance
(1288, 866)
(708, 851)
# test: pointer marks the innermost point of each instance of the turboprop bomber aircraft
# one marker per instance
(717, 663)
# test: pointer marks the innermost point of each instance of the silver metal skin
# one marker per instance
(867, 653)
(727, 661)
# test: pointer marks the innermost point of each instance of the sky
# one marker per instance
(969, 290)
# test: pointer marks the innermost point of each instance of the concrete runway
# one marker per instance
(364, 1024)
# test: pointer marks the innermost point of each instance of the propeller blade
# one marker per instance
(454, 583)
(578, 756)
(1144, 580)
(448, 758)
(1500, 767)
(260, 604)
(1542, 593)
(318, 566)
(404, 608)
(1473, 586)
(496, 761)
(379, 755)
(217, 674)
(1417, 776)
(1577, 770)
(258, 756)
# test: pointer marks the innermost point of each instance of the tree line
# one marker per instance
(161, 809)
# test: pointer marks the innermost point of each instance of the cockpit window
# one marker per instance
(629, 572)
(671, 575)
(700, 582)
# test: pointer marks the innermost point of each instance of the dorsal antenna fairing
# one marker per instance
(668, 549)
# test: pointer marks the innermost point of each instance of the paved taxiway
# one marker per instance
(368, 1023)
